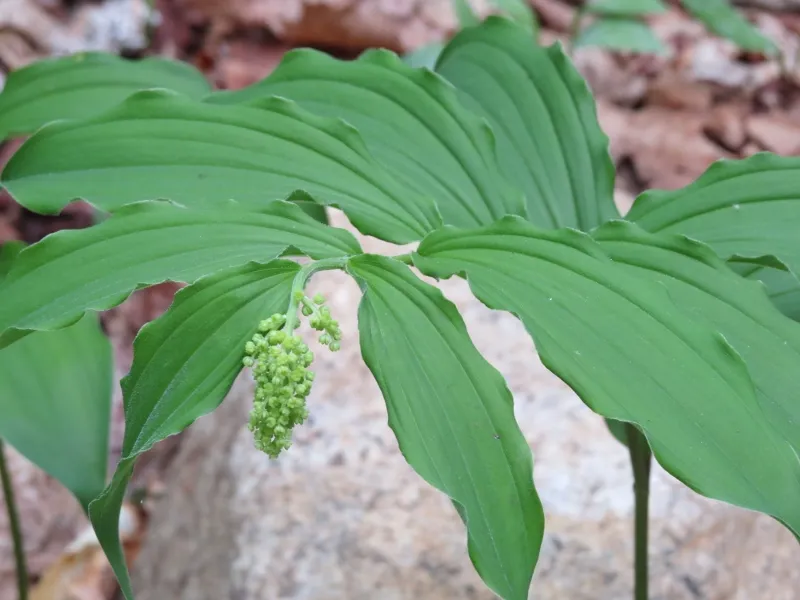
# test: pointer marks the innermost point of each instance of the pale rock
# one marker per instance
(341, 515)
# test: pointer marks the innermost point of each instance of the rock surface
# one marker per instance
(343, 516)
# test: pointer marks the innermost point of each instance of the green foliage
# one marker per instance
(544, 120)
(625, 8)
(701, 284)
(746, 210)
(184, 364)
(426, 56)
(643, 318)
(783, 286)
(619, 33)
(721, 18)
(145, 244)
(162, 145)
(519, 11)
(619, 26)
(56, 400)
(453, 417)
(412, 124)
(464, 13)
(633, 353)
(83, 85)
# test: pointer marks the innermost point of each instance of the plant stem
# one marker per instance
(640, 461)
(299, 284)
(13, 523)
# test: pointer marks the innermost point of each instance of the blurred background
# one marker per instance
(342, 515)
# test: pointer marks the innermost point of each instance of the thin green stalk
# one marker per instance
(13, 523)
(641, 458)
(299, 284)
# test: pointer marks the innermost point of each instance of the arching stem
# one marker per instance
(299, 284)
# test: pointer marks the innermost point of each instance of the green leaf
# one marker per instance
(544, 119)
(741, 208)
(625, 8)
(56, 391)
(701, 284)
(161, 145)
(632, 354)
(618, 33)
(424, 57)
(184, 364)
(464, 13)
(56, 399)
(782, 286)
(83, 85)
(721, 18)
(453, 417)
(520, 12)
(69, 272)
(412, 123)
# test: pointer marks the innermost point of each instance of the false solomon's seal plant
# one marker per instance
(674, 323)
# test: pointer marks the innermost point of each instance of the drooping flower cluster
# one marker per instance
(280, 361)
(321, 320)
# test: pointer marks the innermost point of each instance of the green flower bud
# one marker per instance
(324, 339)
(249, 348)
(334, 346)
(307, 311)
(276, 337)
(248, 361)
(319, 299)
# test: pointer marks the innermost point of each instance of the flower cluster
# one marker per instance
(279, 361)
(280, 364)
(321, 320)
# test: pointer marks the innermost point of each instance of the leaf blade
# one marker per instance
(720, 17)
(148, 243)
(632, 355)
(453, 418)
(544, 119)
(620, 33)
(56, 401)
(741, 208)
(700, 282)
(184, 364)
(625, 8)
(521, 12)
(411, 122)
(82, 85)
(158, 145)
